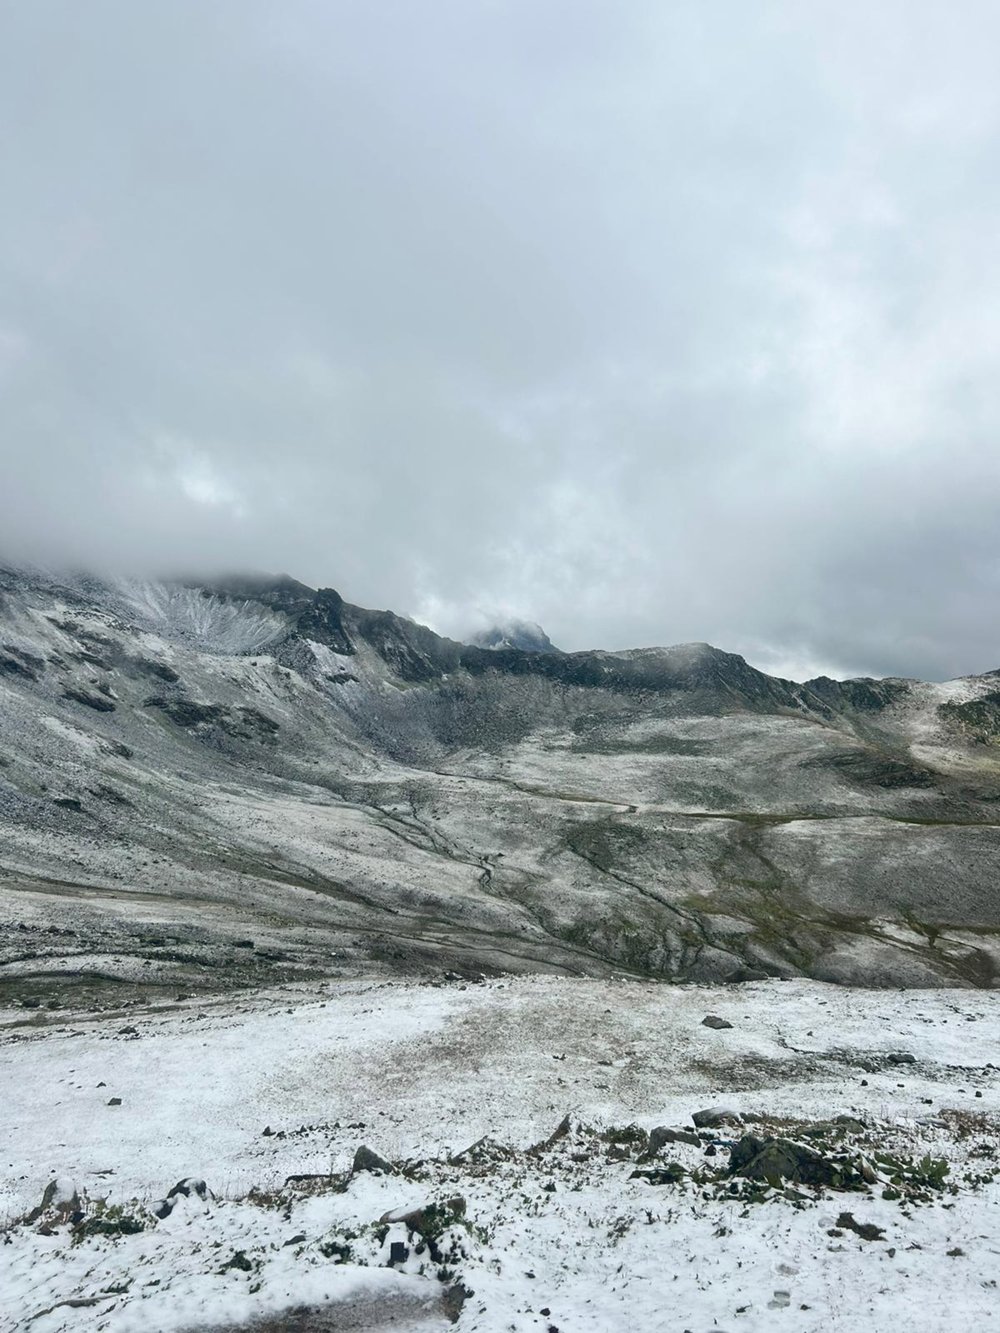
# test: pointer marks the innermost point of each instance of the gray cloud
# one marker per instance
(650, 323)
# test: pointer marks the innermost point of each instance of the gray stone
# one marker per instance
(779, 1159)
(714, 1021)
(661, 1136)
(367, 1160)
(716, 1115)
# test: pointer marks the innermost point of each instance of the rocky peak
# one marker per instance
(524, 635)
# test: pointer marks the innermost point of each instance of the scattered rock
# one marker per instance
(182, 1190)
(672, 1173)
(661, 1136)
(98, 702)
(60, 1196)
(850, 1123)
(866, 1230)
(454, 1298)
(902, 1058)
(485, 1149)
(188, 1186)
(430, 1219)
(114, 1101)
(367, 1160)
(716, 1115)
(714, 1021)
(779, 1159)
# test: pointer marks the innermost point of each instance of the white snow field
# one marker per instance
(535, 1228)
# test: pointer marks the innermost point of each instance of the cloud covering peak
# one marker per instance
(649, 324)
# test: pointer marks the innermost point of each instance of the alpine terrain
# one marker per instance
(353, 978)
(185, 769)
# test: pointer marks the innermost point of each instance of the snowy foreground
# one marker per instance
(543, 1226)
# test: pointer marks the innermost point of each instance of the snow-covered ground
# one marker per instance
(246, 1092)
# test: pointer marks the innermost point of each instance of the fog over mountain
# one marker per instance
(649, 325)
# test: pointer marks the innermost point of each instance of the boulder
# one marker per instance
(367, 1160)
(184, 1189)
(715, 1116)
(59, 1196)
(714, 1021)
(779, 1159)
(661, 1136)
(430, 1221)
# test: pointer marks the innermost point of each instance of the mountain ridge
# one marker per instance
(254, 758)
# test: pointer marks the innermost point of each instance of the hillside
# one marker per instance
(205, 787)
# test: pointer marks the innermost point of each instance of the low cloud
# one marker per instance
(650, 325)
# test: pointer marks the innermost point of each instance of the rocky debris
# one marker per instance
(114, 1101)
(745, 974)
(16, 662)
(367, 1160)
(849, 1124)
(60, 1196)
(98, 702)
(561, 1131)
(69, 803)
(773, 1159)
(866, 1230)
(158, 669)
(430, 1219)
(661, 1136)
(184, 1189)
(204, 719)
(486, 1149)
(902, 1058)
(714, 1116)
(454, 1299)
(714, 1021)
(672, 1173)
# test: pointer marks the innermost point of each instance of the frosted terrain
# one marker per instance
(353, 978)
(251, 1094)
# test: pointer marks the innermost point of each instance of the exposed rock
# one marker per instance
(850, 1124)
(716, 1115)
(188, 1186)
(430, 1219)
(866, 1230)
(524, 635)
(902, 1058)
(59, 1196)
(158, 669)
(774, 1159)
(661, 1136)
(184, 1189)
(714, 1021)
(98, 702)
(367, 1160)
(16, 662)
(670, 1174)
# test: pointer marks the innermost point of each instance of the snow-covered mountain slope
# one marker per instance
(210, 787)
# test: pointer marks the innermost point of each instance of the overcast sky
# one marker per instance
(647, 321)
